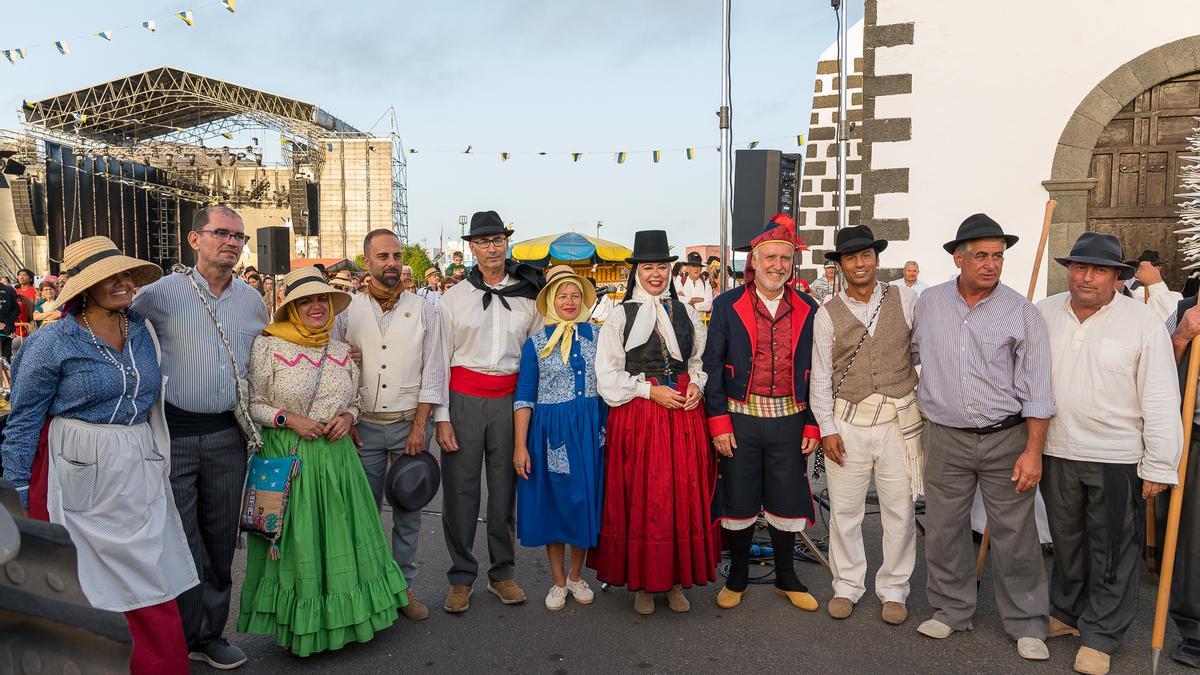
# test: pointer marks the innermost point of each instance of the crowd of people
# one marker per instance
(641, 443)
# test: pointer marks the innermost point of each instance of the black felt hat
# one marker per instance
(854, 239)
(979, 226)
(1149, 256)
(485, 223)
(695, 259)
(1094, 248)
(412, 481)
(650, 246)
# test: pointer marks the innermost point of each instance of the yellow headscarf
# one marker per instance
(295, 330)
(564, 331)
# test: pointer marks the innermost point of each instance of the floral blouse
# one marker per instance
(283, 376)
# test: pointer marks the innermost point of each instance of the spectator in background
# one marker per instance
(268, 288)
(9, 311)
(321, 269)
(62, 279)
(449, 283)
(456, 268)
(342, 281)
(406, 277)
(254, 281)
(27, 290)
(45, 311)
(6, 281)
(356, 283)
(911, 270)
(825, 287)
(1148, 286)
(432, 290)
(692, 290)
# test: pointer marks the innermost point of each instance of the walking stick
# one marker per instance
(1033, 278)
(1171, 539)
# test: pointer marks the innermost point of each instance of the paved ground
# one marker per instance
(764, 633)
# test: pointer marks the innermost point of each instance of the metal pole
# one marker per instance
(726, 152)
(842, 127)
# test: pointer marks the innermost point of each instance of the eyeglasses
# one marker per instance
(494, 242)
(222, 234)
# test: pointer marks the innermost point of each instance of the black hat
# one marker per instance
(1094, 248)
(484, 223)
(1149, 256)
(650, 246)
(694, 259)
(712, 259)
(854, 239)
(412, 481)
(979, 226)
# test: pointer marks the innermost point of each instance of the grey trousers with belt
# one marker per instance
(382, 444)
(484, 429)
(955, 462)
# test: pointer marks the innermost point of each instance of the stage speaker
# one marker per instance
(27, 196)
(304, 201)
(766, 182)
(274, 248)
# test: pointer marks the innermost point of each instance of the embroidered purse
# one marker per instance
(269, 486)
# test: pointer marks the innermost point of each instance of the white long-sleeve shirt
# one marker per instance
(1116, 387)
(820, 387)
(688, 288)
(618, 387)
(486, 341)
(1162, 299)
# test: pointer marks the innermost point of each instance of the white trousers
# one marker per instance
(878, 450)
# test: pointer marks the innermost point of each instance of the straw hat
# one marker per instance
(342, 280)
(564, 272)
(92, 260)
(306, 281)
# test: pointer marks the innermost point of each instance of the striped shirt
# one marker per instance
(982, 364)
(194, 358)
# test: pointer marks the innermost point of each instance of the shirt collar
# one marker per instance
(875, 294)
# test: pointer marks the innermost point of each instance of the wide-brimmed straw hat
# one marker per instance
(557, 273)
(92, 260)
(306, 281)
(343, 280)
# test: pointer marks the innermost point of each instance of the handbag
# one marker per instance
(269, 486)
(241, 410)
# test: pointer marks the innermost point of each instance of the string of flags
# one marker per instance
(186, 16)
(620, 156)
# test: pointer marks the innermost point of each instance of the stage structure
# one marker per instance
(133, 158)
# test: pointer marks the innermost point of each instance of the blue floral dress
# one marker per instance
(561, 500)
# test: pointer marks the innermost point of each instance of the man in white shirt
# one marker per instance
(693, 290)
(396, 338)
(1147, 285)
(431, 292)
(485, 322)
(1114, 443)
(909, 280)
(825, 287)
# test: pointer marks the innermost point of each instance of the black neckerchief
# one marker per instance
(528, 281)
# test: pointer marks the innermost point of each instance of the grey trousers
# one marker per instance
(1076, 494)
(382, 443)
(955, 462)
(208, 474)
(484, 429)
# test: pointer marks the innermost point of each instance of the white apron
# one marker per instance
(109, 486)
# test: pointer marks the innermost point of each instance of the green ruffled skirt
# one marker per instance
(335, 581)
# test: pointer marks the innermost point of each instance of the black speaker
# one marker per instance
(27, 198)
(766, 182)
(305, 203)
(274, 250)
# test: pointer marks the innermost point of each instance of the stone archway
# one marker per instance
(1070, 183)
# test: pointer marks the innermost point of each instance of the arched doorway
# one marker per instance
(1136, 164)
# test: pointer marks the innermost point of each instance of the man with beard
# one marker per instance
(397, 339)
(864, 399)
(486, 321)
(757, 360)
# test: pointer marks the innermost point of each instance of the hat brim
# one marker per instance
(1009, 241)
(142, 273)
(879, 245)
(339, 299)
(488, 232)
(1124, 270)
(413, 501)
(634, 260)
(589, 292)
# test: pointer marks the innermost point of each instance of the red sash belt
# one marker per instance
(474, 383)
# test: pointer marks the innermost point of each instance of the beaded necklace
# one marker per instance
(96, 341)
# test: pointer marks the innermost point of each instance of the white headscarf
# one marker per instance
(652, 315)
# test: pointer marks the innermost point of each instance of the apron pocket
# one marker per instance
(77, 484)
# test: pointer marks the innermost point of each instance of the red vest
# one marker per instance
(772, 373)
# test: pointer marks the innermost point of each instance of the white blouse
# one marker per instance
(618, 387)
(283, 376)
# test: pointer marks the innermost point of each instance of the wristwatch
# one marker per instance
(280, 420)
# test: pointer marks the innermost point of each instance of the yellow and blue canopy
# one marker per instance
(568, 247)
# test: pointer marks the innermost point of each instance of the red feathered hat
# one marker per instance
(781, 230)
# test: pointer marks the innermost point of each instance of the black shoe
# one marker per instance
(219, 654)
(1187, 652)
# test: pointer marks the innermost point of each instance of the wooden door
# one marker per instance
(1138, 162)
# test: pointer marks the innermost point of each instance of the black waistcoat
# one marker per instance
(652, 358)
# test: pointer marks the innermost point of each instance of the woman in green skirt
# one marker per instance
(331, 580)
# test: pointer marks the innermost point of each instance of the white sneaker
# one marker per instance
(580, 591)
(556, 599)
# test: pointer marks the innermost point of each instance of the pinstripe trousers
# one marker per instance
(208, 473)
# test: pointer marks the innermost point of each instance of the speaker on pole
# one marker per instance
(765, 182)
(274, 249)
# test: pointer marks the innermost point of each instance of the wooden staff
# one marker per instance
(1171, 539)
(1033, 279)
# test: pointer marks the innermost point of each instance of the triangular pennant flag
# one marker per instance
(504, 157)
(690, 152)
(575, 156)
(185, 16)
(229, 6)
(467, 151)
(620, 158)
(800, 139)
(20, 52)
(412, 151)
(9, 54)
(753, 145)
(228, 135)
(62, 47)
(656, 155)
(106, 34)
(149, 25)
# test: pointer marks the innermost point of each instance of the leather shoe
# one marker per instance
(1060, 628)
(894, 613)
(507, 590)
(1187, 652)
(840, 608)
(676, 600)
(1032, 649)
(935, 629)
(1091, 661)
(727, 599)
(415, 610)
(643, 603)
(458, 600)
(800, 599)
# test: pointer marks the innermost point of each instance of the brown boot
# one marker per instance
(508, 591)
(643, 603)
(415, 610)
(1091, 661)
(458, 600)
(676, 600)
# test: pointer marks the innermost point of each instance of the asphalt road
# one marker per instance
(764, 633)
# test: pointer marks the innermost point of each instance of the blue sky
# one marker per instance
(522, 77)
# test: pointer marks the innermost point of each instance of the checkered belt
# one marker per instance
(766, 406)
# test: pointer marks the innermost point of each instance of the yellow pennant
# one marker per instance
(185, 16)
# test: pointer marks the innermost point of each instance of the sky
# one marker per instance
(513, 76)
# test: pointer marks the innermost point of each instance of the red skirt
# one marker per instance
(660, 472)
